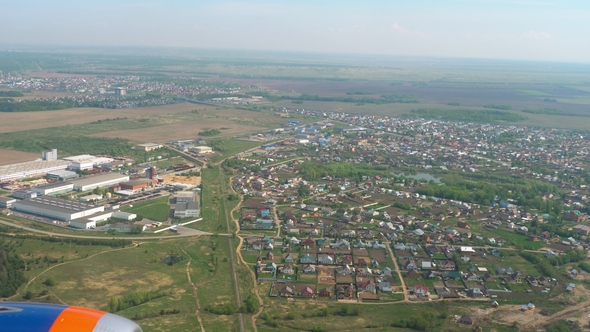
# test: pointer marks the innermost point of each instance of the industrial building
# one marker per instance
(62, 175)
(6, 202)
(81, 165)
(185, 197)
(24, 194)
(55, 188)
(99, 181)
(147, 147)
(124, 215)
(86, 161)
(56, 208)
(202, 149)
(91, 221)
(31, 168)
(120, 91)
(135, 184)
(187, 210)
(49, 155)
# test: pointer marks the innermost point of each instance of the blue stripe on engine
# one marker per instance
(28, 317)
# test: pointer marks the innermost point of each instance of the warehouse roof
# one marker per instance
(187, 206)
(99, 178)
(55, 204)
(53, 185)
(7, 199)
(136, 182)
(30, 166)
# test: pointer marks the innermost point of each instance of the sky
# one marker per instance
(544, 30)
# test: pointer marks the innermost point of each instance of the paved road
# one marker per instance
(182, 232)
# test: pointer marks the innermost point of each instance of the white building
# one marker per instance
(31, 168)
(187, 210)
(56, 208)
(53, 188)
(99, 181)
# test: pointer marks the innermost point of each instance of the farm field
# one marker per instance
(12, 156)
(11, 122)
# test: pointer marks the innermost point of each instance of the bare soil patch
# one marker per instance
(194, 180)
(8, 157)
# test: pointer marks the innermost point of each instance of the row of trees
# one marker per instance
(467, 115)
(130, 300)
(12, 268)
(10, 105)
(113, 243)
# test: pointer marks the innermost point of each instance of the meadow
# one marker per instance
(155, 209)
(92, 275)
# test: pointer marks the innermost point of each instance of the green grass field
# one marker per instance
(91, 275)
(155, 209)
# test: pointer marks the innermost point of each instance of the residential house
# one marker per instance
(289, 258)
(412, 274)
(345, 291)
(308, 268)
(421, 290)
(464, 225)
(287, 269)
(306, 292)
(410, 265)
(446, 265)
(470, 276)
(326, 292)
(287, 291)
(326, 260)
(306, 259)
(367, 286)
(467, 320)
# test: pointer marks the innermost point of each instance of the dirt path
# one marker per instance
(399, 272)
(252, 274)
(194, 287)
(277, 220)
(222, 190)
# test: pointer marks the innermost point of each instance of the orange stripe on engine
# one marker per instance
(75, 319)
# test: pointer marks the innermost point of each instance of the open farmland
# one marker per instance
(11, 156)
(11, 122)
(178, 131)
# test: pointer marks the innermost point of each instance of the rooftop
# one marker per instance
(53, 185)
(99, 178)
(30, 166)
(55, 204)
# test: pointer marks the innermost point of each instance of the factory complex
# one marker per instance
(31, 168)
(99, 181)
(50, 164)
(56, 208)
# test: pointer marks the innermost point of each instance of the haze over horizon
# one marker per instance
(489, 29)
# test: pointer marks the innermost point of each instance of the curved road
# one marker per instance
(186, 232)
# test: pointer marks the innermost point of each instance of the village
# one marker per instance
(348, 209)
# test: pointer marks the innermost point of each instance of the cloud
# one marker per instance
(534, 35)
(399, 29)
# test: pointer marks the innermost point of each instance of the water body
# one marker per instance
(419, 176)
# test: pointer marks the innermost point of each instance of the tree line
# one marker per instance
(12, 268)
(466, 115)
